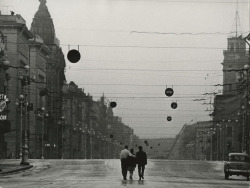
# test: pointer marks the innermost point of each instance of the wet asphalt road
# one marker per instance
(107, 174)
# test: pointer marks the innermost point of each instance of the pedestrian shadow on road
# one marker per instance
(131, 182)
(140, 182)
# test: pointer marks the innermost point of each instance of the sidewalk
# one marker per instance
(8, 166)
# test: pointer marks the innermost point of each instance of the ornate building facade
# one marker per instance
(28, 61)
(43, 26)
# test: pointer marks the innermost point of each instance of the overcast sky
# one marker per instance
(133, 49)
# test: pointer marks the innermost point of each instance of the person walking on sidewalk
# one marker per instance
(141, 158)
(131, 163)
(124, 161)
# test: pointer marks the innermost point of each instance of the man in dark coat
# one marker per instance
(141, 158)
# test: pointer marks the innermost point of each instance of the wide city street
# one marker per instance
(107, 174)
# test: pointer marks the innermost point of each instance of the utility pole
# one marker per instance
(91, 137)
(246, 68)
(71, 126)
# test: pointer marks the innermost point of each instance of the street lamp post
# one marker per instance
(244, 128)
(79, 142)
(221, 146)
(62, 124)
(105, 147)
(239, 128)
(211, 144)
(77, 129)
(92, 133)
(85, 142)
(247, 67)
(43, 115)
(108, 147)
(223, 138)
(25, 80)
(218, 141)
(75, 141)
(246, 136)
(204, 149)
(212, 132)
(25, 149)
(234, 135)
(21, 103)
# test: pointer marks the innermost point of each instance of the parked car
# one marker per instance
(237, 164)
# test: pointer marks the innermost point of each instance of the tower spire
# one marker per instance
(43, 1)
(236, 25)
(42, 24)
(236, 19)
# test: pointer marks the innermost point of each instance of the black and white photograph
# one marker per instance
(114, 93)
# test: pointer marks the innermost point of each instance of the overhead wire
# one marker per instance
(184, 33)
(147, 85)
(149, 61)
(142, 70)
(188, 1)
(134, 46)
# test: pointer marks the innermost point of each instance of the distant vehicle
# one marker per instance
(238, 164)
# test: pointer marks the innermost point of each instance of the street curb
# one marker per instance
(21, 168)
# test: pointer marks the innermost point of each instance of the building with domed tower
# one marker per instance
(43, 26)
(35, 77)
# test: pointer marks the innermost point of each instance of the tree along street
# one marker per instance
(107, 174)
